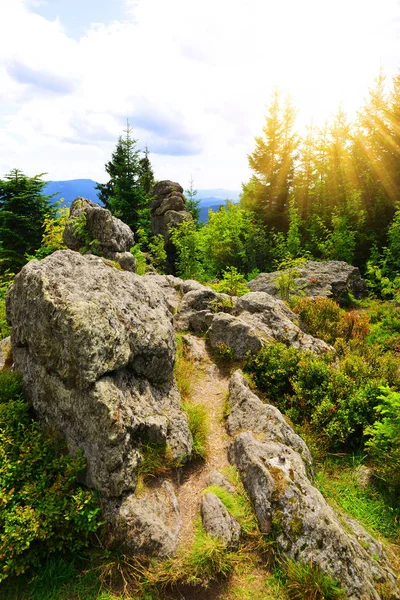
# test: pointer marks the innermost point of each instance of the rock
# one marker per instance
(6, 358)
(105, 380)
(217, 521)
(216, 478)
(364, 476)
(193, 348)
(168, 209)
(105, 319)
(149, 524)
(329, 279)
(273, 320)
(227, 331)
(170, 287)
(303, 525)
(249, 413)
(113, 239)
(194, 301)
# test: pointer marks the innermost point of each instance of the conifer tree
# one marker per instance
(128, 192)
(192, 204)
(23, 210)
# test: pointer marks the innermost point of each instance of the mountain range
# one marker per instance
(71, 189)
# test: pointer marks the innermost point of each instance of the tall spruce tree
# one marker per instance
(272, 162)
(23, 210)
(127, 194)
(192, 204)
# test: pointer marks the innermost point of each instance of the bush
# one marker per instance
(232, 283)
(41, 509)
(384, 444)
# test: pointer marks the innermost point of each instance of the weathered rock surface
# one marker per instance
(249, 413)
(227, 331)
(6, 359)
(217, 521)
(149, 524)
(97, 349)
(193, 348)
(292, 510)
(168, 209)
(273, 320)
(112, 237)
(329, 279)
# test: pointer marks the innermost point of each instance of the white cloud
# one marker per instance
(194, 77)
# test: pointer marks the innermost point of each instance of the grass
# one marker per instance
(337, 480)
(306, 580)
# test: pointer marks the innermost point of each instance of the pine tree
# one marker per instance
(23, 210)
(128, 192)
(192, 204)
(272, 161)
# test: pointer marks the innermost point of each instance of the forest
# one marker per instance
(329, 194)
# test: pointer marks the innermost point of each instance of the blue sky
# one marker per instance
(193, 77)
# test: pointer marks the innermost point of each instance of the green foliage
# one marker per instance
(286, 278)
(338, 478)
(192, 204)
(128, 192)
(187, 240)
(239, 506)
(141, 263)
(81, 232)
(384, 443)
(5, 281)
(198, 417)
(52, 239)
(232, 283)
(41, 509)
(158, 253)
(23, 210)
(307, 580)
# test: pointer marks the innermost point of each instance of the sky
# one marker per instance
(194, 78)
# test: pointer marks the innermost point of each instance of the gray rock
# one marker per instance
(216, 478)
(200, 299)
(330, 279)
(168, 209)
(249, 413)
(96, 347)
(113, 237)
(235, 334)
(105, 319)
(199, 322)
(217, 521)
(149, 524)
(6, 359)
(274, 321)
(304, 526)
(170, 287)
(193, 348)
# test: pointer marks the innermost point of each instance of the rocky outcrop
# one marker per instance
(217, 521)
(96, 347)
(249, 413)
(148, 524)
(168, 209)
(93, 229)
(228, 334)
(328, 279)
(274, 469)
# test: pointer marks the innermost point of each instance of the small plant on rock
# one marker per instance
(308, 581)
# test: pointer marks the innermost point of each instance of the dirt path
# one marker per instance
(210, 390)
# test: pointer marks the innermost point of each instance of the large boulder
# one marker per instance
(273, 320)
(217, 521)
(93, 228)
(168, 209)
(328, 279)
(273, 463)
(97, 348)
(149, 524)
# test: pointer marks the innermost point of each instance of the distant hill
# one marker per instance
(69, 190)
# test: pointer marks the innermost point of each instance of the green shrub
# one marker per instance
(308, 581)
(232, 283)
(41, 509)
(384, 443)
(197, 415)
(10, 385)
(320, 316)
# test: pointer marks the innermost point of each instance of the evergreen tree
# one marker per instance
(23, 210)
(272, 161)
(192, 204)
(128, 192)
